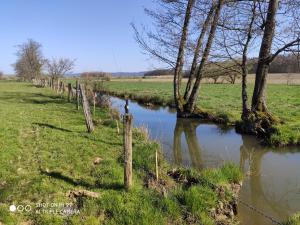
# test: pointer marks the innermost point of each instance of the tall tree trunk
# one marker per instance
(191, 79)
(258, 98)
(180, 57)
(190, 106)
(246, 110)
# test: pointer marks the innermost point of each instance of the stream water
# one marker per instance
(272, 176)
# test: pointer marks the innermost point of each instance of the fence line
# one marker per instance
(127, 120)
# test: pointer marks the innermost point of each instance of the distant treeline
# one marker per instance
(159, 72)
(282, 64)
(96, 75)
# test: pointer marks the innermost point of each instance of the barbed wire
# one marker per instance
(258, 211)
(274, 221)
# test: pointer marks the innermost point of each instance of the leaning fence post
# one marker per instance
(69, 92)
(86, 110)
(127, 148)
(77, 94)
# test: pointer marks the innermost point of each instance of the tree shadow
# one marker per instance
(21, 97)
(45, 125)
(44, 102)
(113, 186)
(59, 176)
(93, 138)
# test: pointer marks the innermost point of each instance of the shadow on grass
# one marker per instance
(93, 138)
(31, 98)
(45, 125)
(70, 180)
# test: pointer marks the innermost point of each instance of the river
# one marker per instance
(272, 176)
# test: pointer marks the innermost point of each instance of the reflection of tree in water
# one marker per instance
(223, 129)
(188, 128)
(253, 153)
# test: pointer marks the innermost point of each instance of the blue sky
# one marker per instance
(95, 32)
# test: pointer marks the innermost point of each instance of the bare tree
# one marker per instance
(179, 36)
(30, 60)
(191, 33)
(239, 27)
(1, 75)
(180, 57)
(284, 41)
(191, 102)
(59, 67)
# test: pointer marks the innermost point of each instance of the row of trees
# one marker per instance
(96, 75)
(195, 34)
(289, 63)
(31, 63)
(212, 72)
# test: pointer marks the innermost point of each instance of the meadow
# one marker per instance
(46, 154)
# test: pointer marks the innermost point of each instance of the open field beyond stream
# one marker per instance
(223, 100)
(46, 157)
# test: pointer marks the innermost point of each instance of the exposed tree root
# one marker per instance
(260, 124)
(203, 115)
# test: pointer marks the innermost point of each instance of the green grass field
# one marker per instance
(46, 152)
(225, 99)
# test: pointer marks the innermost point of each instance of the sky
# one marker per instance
(96, 33)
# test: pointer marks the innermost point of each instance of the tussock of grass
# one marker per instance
(199, 200)
(293, 220)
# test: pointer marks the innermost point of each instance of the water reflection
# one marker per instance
(189, 132)
(271, 184)
(272, 178)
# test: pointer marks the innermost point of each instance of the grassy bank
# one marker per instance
(224, 100)
(293, 220)
(46, 154)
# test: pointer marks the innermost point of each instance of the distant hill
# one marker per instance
(115, 74)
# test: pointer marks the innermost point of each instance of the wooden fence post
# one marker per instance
(94, 103)
(127, 148)
(69, 92)
(57, 86)
(62, 87)
(77, 94)
(156, 165)
(86, 110)
(52, 83)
